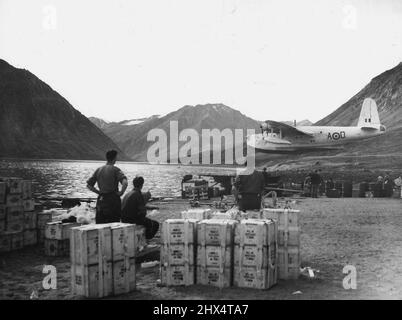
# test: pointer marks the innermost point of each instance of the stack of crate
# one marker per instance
(255, 254)
(103, 259)
(288, 241)
(57, 238)
(215, 252)
(16, 204)
(43, 218)
(178, 252)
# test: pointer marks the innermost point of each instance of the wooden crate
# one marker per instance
(92, 281)
(43, 218)
(17, 240)
(214, 256)
(2, 226)
(26, 189)
(215, 232)
(3, 210)
(30, 220)
(30, 237)
(124, 241)
(252, 277)
(124, 276)
(14, 185)
(177, 275)
(57, 248)
(41, 236)
(256, 232)
(5, 242)
(58, 230)
(216, 277)
(198, 214)
(3, 192)
(141, 240)
(178, 231)
(13, 200)
(28, 204)
(15, 219)
(177, 255)
(288, 262)
(91, 243)
(253, 214)
(288, 225)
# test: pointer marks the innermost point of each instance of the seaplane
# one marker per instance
(277, 137)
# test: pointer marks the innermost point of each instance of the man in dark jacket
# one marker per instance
(315, 183)
(108, 177)
(135, 211)
(249, 188)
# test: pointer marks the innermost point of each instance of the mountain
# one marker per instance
(37, 122)
(385, 89)
(132, 139)
(100, 123)
(103, 124)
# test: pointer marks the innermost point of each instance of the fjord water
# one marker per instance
(66, 178)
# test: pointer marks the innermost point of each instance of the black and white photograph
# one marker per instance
(203, 155)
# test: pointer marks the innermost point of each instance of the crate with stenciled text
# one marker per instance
(14, 219)
(215, 238)
(177, 258)
(59, 231)
(57, 248)
(255, 254)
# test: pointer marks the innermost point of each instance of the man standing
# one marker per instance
(135, 211)
(249, 188)
(108, 177)
(315, 183)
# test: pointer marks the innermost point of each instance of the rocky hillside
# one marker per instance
(132, 139)
(37, 122)
(385, 89)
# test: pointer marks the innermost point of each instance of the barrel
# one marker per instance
(347, 189)
(363, 187)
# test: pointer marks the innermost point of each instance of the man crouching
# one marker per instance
(135, 211)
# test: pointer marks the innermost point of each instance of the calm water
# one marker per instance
(68, 178)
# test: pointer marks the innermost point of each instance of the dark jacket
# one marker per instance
(250, 184)
(133, 207)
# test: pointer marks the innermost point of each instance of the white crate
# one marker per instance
(256, 232)
(178, 231)
(217, 277)
(124, 276)
(26, 189)
(58, 230)
(28, 204)
(124, 240)
(288, 262)
(215, 232)
(198, 214)
(30, 220)
(181, 275)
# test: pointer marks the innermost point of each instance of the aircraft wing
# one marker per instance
(287, 130)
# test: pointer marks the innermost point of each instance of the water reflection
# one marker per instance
(68, 178)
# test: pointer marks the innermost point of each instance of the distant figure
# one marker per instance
(266, 176)
(379, 187)
(108, 177)
(135, 211)
(249, 190)
(388, 186)
(330, 184)
(316, 180)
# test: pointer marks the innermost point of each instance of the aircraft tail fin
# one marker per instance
(369, 114)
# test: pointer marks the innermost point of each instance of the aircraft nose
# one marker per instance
(382, 128)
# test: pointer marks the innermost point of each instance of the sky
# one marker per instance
(269, 59)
